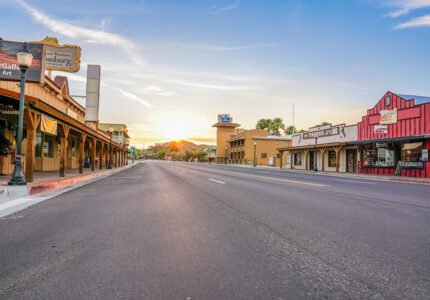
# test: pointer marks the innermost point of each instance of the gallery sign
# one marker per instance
(322, 133)
(66, 58)
(380, 129)
(224, 118)
(388, 116)
(9, 68)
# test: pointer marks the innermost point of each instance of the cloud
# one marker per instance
(77, 32)
(230, 48)
(156, 90)
(423, 21)
(222, 8)
(405, 6)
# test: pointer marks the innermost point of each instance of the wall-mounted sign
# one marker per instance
(388, 116)
(9, 68)
(380, 129)
(425, 155)
(72, 113)
(66, 58)
(48, 124)
(224, 118)
(322, 132)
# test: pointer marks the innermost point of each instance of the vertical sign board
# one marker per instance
(93, 93)
(9, 68)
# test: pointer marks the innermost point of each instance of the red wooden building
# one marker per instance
(394, 137)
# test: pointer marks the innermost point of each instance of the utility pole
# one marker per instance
(294, 128)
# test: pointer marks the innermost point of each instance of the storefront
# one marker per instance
(324, 148)
(394, 137)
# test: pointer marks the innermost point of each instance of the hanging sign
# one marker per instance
(48, 124)
(66, 58)
(380, 129)
(9, 68)
(388, 116)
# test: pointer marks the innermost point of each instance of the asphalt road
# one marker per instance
(187, 231)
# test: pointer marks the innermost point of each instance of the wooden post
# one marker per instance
(305, 158)
(93, 154)
(337, 150)
(322, 151)
(32, 121)
(101, 156)
(81, 152)
(64, 134)
(280, 159)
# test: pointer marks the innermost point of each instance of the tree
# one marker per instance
(276, 125)
(263, 124)
(161, 153)
(290, 130)
(322, 124)
(201, 155)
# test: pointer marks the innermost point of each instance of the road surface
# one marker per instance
(165, 230)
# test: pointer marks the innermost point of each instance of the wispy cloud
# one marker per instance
(156, 90)
(406, 6)
(223, 7)
(423, 21)
(229, 48)
(78, 32)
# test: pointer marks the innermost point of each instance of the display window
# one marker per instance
(412, 155)
(378, 155)
(297, 159)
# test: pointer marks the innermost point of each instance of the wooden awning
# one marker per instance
(16, 96)
(310, 147)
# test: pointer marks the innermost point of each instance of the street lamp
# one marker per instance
(110, 148)
(255, 154)
(25, 59)
(225, 161)
(315, 155)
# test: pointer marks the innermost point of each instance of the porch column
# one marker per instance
(32, 121)
(280, 159)
(101, 155)
(337, 150)
(64, 134)
(93, 154)
(81, 152)
(322, 151)
(305, 158)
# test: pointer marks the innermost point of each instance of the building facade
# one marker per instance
(394, 137)
(323, 148)
(225, 129)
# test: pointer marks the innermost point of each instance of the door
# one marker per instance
(351, 160)
(311, 160)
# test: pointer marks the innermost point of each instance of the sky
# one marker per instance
(170, 67)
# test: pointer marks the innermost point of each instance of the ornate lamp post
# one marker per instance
(25, 59)
(255, 154)
(110, 148)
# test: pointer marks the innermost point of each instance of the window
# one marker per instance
(44, 145)
(387, 101)
(38, 150)
(412, 153)
(332, 159)
(297, 159)
(385, 157)
(263, 155)
(73, 142)
(378, 155)
(278, 155)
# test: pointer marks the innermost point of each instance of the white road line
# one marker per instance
(217, 181)
(355, 181)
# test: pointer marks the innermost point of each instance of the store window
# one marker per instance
(412, 155)
(378, 155)
(297, 159)
(263, 155)
(278, 155)
(44, 145)
(332, 159)
(38, 149)
(74, 143)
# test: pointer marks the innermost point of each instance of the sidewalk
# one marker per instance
(50, 181)
(393, 178)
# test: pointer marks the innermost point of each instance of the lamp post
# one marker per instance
(110, 148)
(25, 59)
(255, 154)
(315, 154)
(225, 154)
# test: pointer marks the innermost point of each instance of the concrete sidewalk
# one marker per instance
(392, 178)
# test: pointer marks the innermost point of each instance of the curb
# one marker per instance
(56, 184)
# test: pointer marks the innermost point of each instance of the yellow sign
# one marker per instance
(48, 124)
(388, 116)
(66, 58)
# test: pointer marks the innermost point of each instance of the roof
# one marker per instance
(225, 125)
(115, 126)
(274, 137)
(240, 136)
(326, 145)
(60, 81)
(418, 99)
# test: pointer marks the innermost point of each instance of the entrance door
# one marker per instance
(311, 160)
(351, 160)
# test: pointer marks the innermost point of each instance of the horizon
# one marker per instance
(168, 68)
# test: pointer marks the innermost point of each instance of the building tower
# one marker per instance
(225, 129)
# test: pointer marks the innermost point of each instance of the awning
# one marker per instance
(412, 146)
(398, 139)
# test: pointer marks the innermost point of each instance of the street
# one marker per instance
(173, 230)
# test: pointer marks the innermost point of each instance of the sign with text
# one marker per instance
(93, 93)
(380, 129)
(224, 118)
(388, 116)
(321, 133)
(62, 58)
(9, 68)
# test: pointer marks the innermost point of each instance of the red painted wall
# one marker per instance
(411, 120)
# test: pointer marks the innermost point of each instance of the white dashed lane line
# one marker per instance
(217, 181)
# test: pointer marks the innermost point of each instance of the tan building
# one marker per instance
(254, 146)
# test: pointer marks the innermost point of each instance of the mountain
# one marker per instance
(181, 146)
